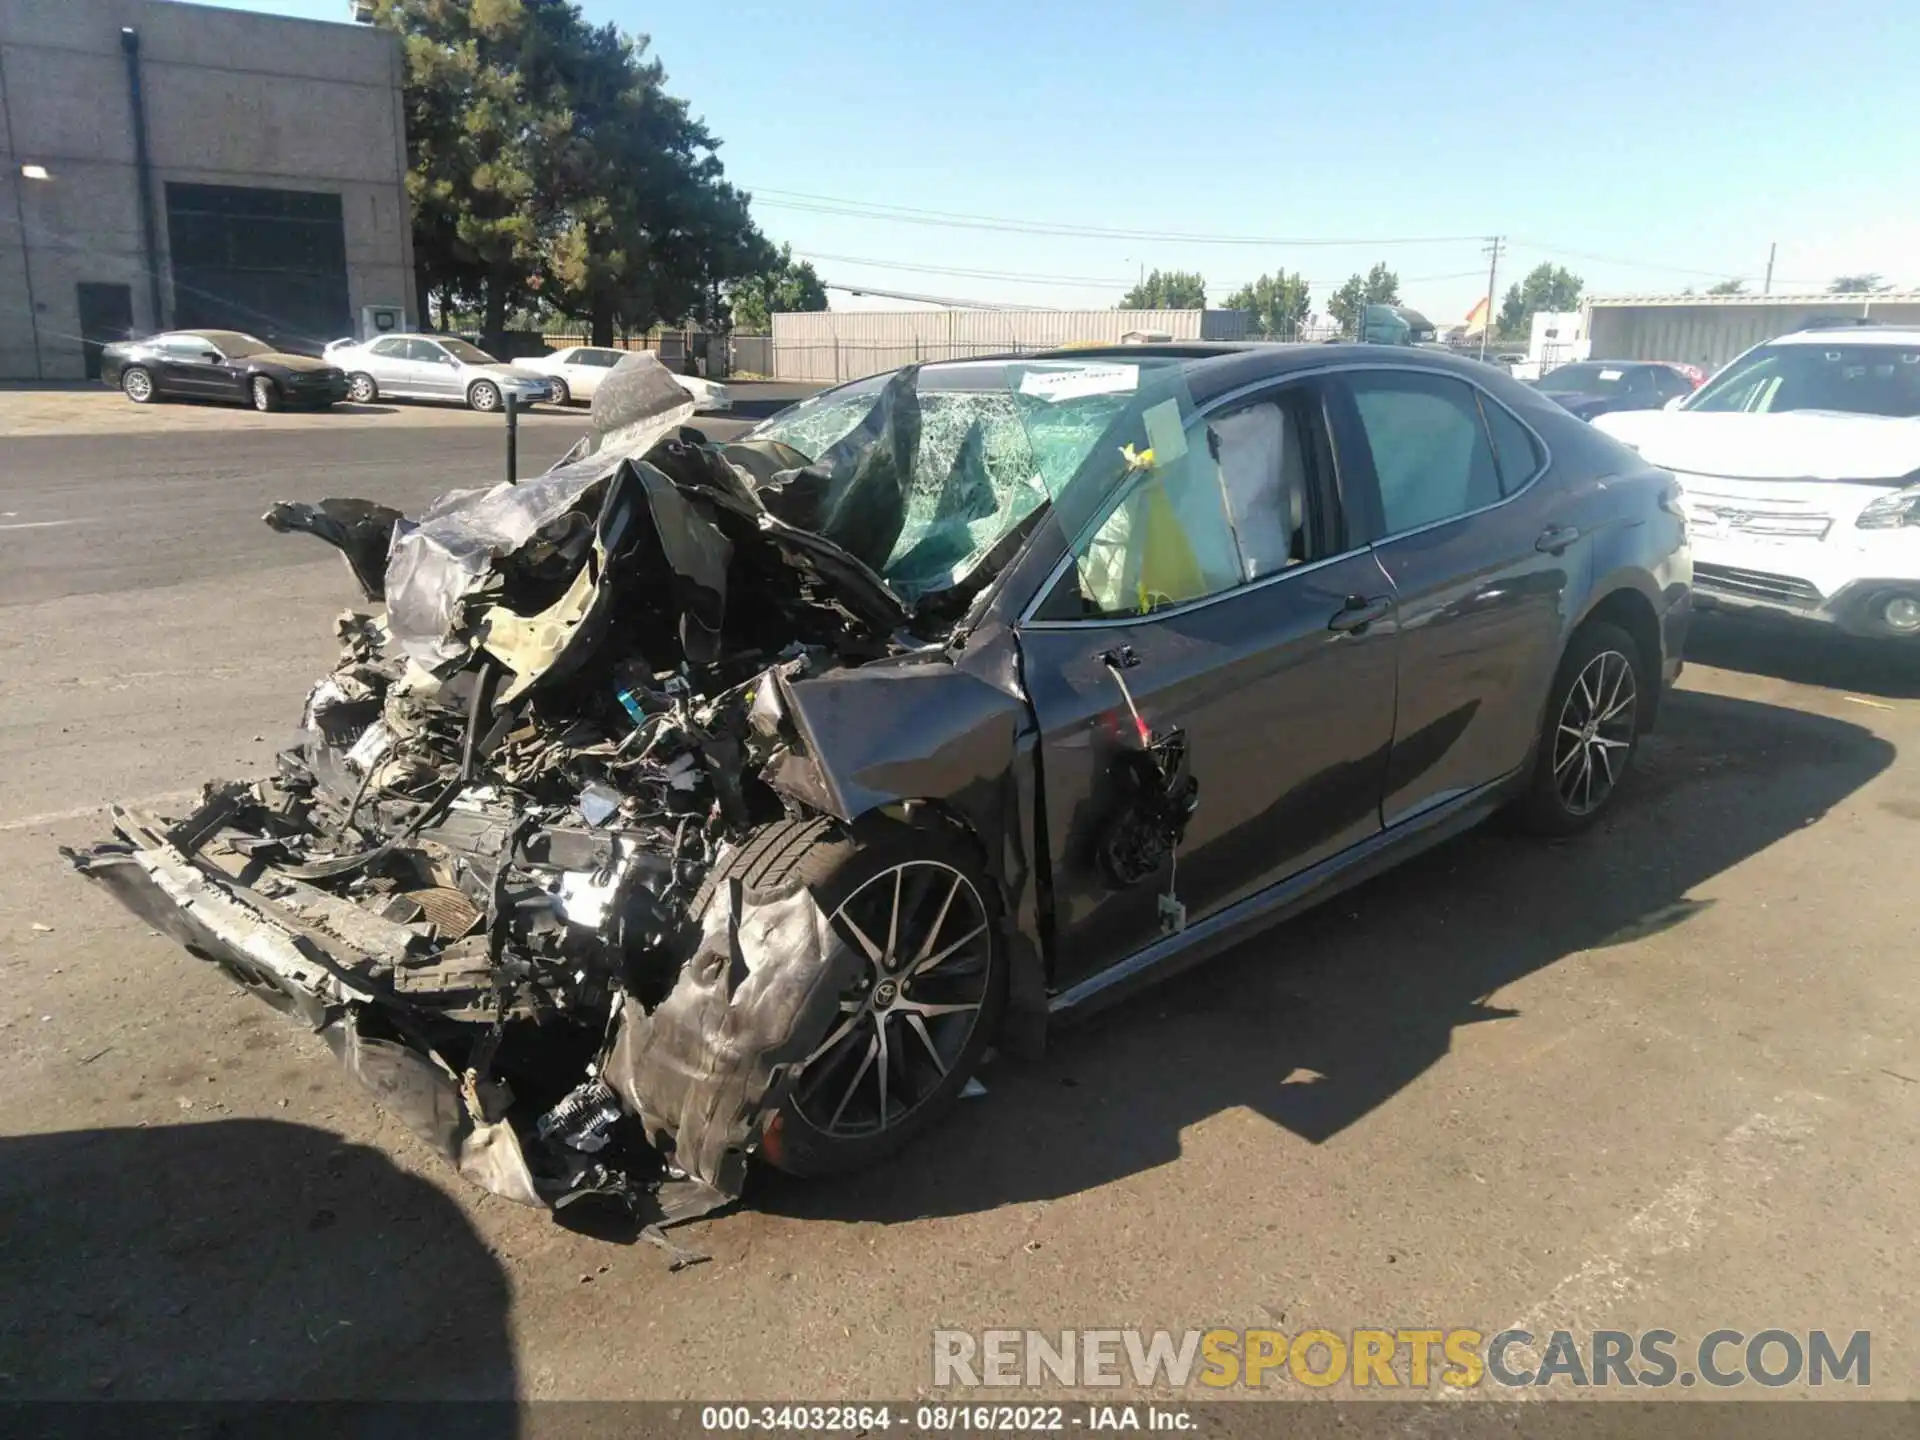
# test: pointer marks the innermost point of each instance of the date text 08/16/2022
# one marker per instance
(942, 1419)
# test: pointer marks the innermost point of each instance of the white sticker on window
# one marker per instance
(1071, 384)
(1610, 374)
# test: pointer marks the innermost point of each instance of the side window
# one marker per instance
(425, 350)
(601, 359)
(1234, 505)
(1430, 450)
(1515, 451)
(391, 348)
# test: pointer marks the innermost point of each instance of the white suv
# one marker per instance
(1801, 467)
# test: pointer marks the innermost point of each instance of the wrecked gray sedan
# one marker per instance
(695, 801)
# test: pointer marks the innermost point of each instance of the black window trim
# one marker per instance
(1028, 614)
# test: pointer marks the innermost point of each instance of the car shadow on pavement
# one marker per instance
(1320, 1021)
(240, 1260)
(1807, 655)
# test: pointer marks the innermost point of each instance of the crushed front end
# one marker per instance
(490, 871)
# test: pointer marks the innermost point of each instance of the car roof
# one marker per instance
(216, 336)
(1213, 367)
(1869, 333)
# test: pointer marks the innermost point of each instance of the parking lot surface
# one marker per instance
(1663, 1075)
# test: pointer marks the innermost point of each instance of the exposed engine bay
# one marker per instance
(495, 853)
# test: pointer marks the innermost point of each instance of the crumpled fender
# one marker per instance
(718, 1056)
(924, 729)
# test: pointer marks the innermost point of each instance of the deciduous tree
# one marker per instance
(1277, 304)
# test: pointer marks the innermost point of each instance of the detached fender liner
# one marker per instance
(707, 1067)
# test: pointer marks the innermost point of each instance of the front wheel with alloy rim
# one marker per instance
(1592, 730)
(266, 395)
(560, 394)
(361, 390)
(484, 396)
(137, 385)
(910, 1027)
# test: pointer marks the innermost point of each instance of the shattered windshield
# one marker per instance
(990, 443)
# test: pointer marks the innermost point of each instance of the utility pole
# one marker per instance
(1493, 270)
(1767, 288)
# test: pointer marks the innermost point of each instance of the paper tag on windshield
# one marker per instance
(1610, 374)
(1079, 380)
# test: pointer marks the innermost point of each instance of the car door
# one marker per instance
(586, 370)
(386, 361)
(1483, 551)
(436, 373)
(186, 368)
(1220, 592)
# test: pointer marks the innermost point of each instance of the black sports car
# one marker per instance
(694, 801)
(219, 365)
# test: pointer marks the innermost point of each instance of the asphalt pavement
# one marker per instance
(1664, 1075)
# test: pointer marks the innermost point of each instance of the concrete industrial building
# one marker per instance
(167, 165)
(1709, 330)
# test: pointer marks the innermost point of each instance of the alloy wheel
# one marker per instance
(484, 397)
(1595, 732)
(561, 395)
(262, 393)
(138, 385)
(922, 929)
(360, 389)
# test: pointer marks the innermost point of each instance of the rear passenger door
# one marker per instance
(1483, 550)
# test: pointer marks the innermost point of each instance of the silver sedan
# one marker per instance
(433, 367)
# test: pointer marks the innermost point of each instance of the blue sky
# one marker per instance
(1647, 146)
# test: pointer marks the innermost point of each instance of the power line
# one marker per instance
(1022, 277)
(948, 219)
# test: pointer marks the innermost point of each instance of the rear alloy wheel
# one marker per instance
(361, 390)
(1592, 730)
(484, 396)
(266, 395)
(560, 394)
(137, 385)
(912, 1024)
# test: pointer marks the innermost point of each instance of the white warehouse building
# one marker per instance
(1709, 330)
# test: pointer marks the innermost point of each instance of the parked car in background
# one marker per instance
(218, 365)
(1170, 643)
(1598, 387)
(1801, 465)
(433, 367)
(576, 373)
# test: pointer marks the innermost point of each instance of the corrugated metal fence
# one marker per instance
(1710, 335)
(829, 346)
